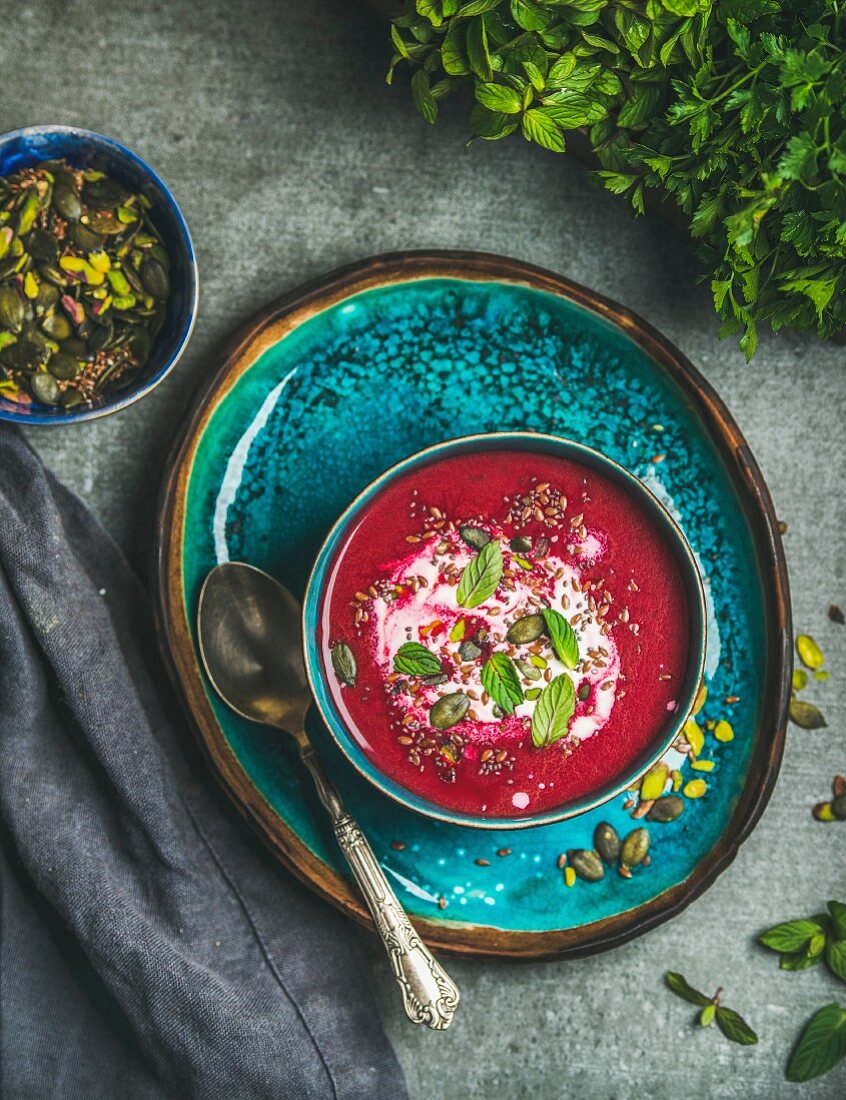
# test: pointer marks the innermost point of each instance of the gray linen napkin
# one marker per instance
(148, 946)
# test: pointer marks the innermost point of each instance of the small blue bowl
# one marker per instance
(539, 444)
(28, 146)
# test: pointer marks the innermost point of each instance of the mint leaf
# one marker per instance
(798, 960)
(838, 916)
(540, 128)
(835, 957)
(553, 711)
(478, 53)
(498, 97)
(414, 659)
(563, 637)
(821, 1045)
(791, 936)
(481, 576)
(424, 101)
(682, 988)
(734, 1027)
(501, 681)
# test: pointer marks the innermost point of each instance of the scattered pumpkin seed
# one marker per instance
(569, 876)
(806, 715)
(344, 664)
(723, 731)
(475, 537)
(838, 807)
(695, 788)
(449, 710)
(703, 765)
(634, 847)
(800, 679)
(521, 544)
(809, 652)
(666, 808)
(586, 864)
(526, 630)
(606, 840)
(527, 670)
(469, 651)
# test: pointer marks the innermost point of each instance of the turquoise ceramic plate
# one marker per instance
(349, 375)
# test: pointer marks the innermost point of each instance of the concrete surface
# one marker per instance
(290, 156)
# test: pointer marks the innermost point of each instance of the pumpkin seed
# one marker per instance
(469, 651)
(526, 630)
(434, 681)
(527, 670)
(473, 536)
(586, 864)
(809, 652)
(11, 309)
(806, 715)
(666, 808)
(42, 246)
(63, 366)
(84, 238)
(45, 388)
(838, 807)
(67, 203)
(694, 788)
(57, 326)
(584, 691)
(449, 710)
(104, 193)
(606, 840)
(634, 847)
(343, 662)
(521, 544)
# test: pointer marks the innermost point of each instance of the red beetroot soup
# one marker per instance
(505, 632)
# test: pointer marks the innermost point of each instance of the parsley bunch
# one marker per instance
(733, 110)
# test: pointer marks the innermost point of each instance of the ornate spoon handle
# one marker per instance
(429, 995)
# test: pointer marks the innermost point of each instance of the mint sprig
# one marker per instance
(563, 637)
(730, 1023)
(480, 576)
(414, 659)
(553, 711)
(501, 681)
(804, 943)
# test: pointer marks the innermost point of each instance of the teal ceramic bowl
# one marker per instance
(520, 441)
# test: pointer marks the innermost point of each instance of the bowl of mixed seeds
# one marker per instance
(98, 281)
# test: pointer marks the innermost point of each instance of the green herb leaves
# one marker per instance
(730, 1023)
(501, 681)
(734, 111)
(553, 711)
(734, 1027)
(481, 576)
(805, 943)
(821, 1045)
(414, 659)
(682, 988)
(563, 637)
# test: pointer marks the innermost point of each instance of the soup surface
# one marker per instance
(505, 632)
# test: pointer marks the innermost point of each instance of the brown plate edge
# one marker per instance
(175, 640)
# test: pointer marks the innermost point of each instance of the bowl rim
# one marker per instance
(127, 399)
(518, 440)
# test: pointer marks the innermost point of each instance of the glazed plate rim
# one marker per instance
(273, 324)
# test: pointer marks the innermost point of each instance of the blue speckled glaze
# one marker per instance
(388, 372)
(83, 148)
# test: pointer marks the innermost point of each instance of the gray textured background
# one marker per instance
(272, 122)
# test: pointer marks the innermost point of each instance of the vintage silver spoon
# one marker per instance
(250, 642)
